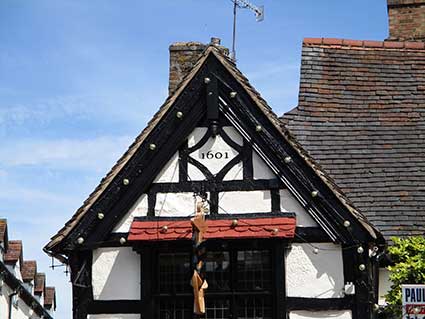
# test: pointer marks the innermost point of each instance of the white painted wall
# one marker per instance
(384, 285)
(114, 316)
(175, 204)
(140, 208)
(288, 203)
(170, 172)
(331, 314)
(235, 173)
(23, 311)
(194, 174)
(216, 146)
(4, 302)
(116, 274)
(245, 202)
(196, 136)
(15, 269)
(233, 134)
(260, 168)
(314, 275)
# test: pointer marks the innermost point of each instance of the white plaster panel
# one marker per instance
(196, 136)
(23, 311)
(116, 274)
(233, 134)
(214, 154)
(329, 314)
(384, 285)
(288, 203)
(175, 204)
(114, 316)
(140, 208)
(170, 172)
(235, 173)
(314, 275)
(245, 202)
(194, 174)
(260, 169)
(4, 301)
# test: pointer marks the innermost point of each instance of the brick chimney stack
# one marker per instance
(407, 20)
(183, 56)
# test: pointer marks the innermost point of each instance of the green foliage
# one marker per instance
(408, 255)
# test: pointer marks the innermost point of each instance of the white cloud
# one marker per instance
(112, 106)
(97, 154)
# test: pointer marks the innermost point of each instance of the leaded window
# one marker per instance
(240, 282)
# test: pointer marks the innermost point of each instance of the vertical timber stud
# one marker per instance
(82, 293)
(349, 255)
(364, 292)
(212, 103)
(279, 276)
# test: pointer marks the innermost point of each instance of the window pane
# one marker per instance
(217, 309)
(254, 308)
(174, 273)
(217, 271)
(173, 308)
(254, 270)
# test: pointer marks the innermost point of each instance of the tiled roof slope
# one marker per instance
(361, 115)
(40, 283)
(29, 270)
(50, 297)
(14, 252)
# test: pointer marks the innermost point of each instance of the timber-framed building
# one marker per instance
(282, 238)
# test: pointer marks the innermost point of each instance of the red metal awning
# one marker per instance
(240, 228)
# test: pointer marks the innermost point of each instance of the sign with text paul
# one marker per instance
(413, 301)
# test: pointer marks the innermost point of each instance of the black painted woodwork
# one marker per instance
(317, 304)
(82, 292)
(169, 136)
(145, 164)
(115, 306)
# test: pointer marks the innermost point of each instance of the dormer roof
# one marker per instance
(29, 270)
(50, 298)
(14, 252)
(40, 283)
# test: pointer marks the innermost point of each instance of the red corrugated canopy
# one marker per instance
(241, 228)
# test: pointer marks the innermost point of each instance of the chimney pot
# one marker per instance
(215, 41)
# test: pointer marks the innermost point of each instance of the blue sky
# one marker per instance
(79, 79)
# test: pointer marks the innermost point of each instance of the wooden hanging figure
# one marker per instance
(199, 284)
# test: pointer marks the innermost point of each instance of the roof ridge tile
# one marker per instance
(364, 44)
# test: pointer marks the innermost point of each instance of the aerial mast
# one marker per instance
(244, 4)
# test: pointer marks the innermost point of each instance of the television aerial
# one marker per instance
(244, 4)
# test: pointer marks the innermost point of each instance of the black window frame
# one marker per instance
(149, 253)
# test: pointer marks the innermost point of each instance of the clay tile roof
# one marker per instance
(14, 252)
(29, 270)
(40, 283)
(50, 297)
(361, 116)
(3, 230)
(278, 226)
